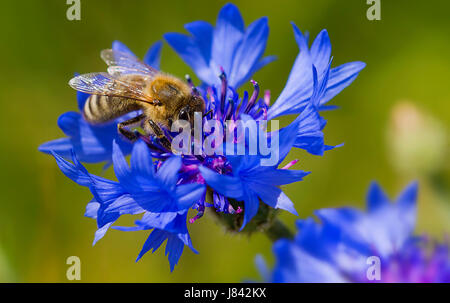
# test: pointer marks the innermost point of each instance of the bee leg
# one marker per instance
(130, 135)
(209, 113)
(159, 133)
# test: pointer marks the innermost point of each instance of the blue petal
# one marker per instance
(294, 265)
(179, 198)
(324, 108)
(119, 46)
(69, 123)
(129, 228)
(376, 197)
(186, 239)
(154, 241)
(312, 143)
(309, 135)
(228, 35)
(249, 52)
(319, 88)
(121, 168)
(155, 201)
(313, 238)
(263, 62)
(408, 197)
(92, 209)
(170, 226)
(90, 143)
(380, 233)
(110, 210)
(188, 194)
(279, 176)
(273, 196)
(100, 233)
(286, 137)
(299, 87)
(174, 223)
(202, 33)
(124, 205)
(331, 147)
(407, 204)
(251, 204)
(350, 221)
(81, 99)
(192, 54)
(226, 185)
(262, 267)
(321, 51)
(141, 160)
(72, 172)
(62, 147)
(153, 55)
(174, 249)
(167, 174)
(103, 190)
(168, 221)
(341, 77)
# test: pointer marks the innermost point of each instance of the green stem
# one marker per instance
(278, 230)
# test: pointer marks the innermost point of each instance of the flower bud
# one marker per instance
(416, 140)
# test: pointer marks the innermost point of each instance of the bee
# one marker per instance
(131, 85)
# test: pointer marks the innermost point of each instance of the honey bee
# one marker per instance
(131, 85)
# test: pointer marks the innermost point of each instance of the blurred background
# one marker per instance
(394, 120)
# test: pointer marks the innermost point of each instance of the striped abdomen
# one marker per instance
(100, 109)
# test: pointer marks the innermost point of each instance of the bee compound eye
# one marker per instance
(184, 114)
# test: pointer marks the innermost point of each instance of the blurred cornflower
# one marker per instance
(240, 189)
(354, 246)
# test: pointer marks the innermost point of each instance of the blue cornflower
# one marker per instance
(142, 188)
(223, 57)
(93, 143)
(343, 246)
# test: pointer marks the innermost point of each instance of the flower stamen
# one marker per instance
(254, 96)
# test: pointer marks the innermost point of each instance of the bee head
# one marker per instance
(185, 113)
(194, 104)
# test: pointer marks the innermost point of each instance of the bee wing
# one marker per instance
(129, 74)
(124, 63)
(107, 85)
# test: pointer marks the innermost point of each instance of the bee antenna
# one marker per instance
(191, 84)
(188, 79)
(195, 91)
(207, 113)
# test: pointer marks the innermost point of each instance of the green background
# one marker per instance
(41, 211)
